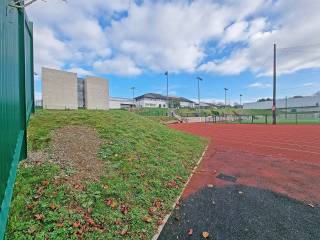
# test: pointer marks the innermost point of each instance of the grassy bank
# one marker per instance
(145, 165)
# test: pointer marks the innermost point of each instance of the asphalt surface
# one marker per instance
(237, 212)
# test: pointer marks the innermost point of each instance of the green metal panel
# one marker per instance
(16, 98)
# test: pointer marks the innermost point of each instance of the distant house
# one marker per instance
(154, 100)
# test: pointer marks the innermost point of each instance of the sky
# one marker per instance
(228, 43)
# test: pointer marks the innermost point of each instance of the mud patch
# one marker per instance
(75, 149)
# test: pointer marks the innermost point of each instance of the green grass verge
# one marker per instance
(151, 111)
(140, 156)
(162, 119)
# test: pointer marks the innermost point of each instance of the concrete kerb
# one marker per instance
(160, 228)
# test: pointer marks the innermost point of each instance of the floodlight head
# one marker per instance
(199, 78)
(166, 73)
(226, 89)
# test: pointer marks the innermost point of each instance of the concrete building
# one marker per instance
(64, 90)
(96, 93)
(293, 104)
(154, 100)
(121, 103)
(59, 89)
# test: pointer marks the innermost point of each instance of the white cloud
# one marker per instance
(260, 85)
(175, 35)
(233, 65)
(120, 66)
(80, 71)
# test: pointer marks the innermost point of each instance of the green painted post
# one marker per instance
(32, 67)
(22, 84)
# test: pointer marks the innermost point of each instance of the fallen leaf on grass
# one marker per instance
(190, 232)
(172, 184)
(160, 222)
(124, 209)
(311, 205)
(39, 217)
(124, 231)
(147, 219)
(53, 206)
(76, 224)
(117, 222)
(79, 186)
(152, 210)
(29, 206)
(205, 234)
(110, 202)
(45, 183)
(157, 203)
(210, 185)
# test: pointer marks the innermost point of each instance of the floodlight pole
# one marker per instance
(225, 97)
(274, 116)
(286, 107)
(240, 99)
(167, 74)
(199, 79)
(133, 88)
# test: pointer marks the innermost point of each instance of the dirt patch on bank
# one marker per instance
(75, 149)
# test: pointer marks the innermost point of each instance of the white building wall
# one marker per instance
(151, 103)
(96, 93)
(118, 103)
(186, 104)
(59, 89)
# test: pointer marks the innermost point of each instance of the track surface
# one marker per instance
(277, 192)
(282, 158)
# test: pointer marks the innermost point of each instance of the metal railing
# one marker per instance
(282, 118)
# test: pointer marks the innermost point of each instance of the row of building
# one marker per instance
(64, 90)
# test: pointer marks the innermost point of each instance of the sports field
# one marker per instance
(270, 188)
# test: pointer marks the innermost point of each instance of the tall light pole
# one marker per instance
(167, 74)
(199, 79)
(274, 116)
(241, 99)
(132, 88)
(225, 97)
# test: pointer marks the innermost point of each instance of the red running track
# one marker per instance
(282, 158)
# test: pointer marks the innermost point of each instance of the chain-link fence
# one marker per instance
(282, 118)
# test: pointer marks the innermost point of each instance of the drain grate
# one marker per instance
(226, 177)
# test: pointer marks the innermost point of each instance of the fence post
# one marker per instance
(296, 118)
(22, 79)
(266, 119)
(252, 119)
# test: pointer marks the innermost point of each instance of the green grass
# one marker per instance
(162, 119)
(151, 111)
(140, 157)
